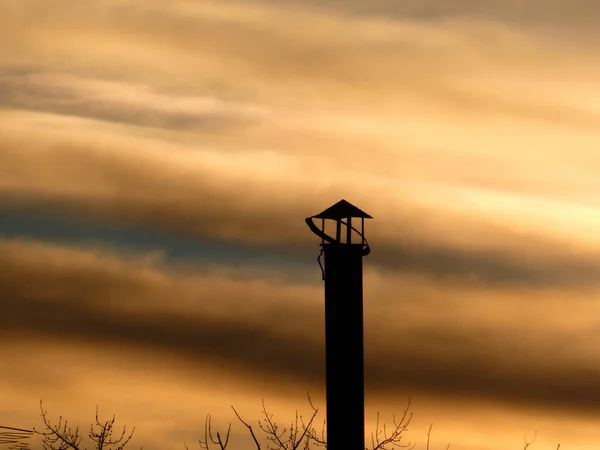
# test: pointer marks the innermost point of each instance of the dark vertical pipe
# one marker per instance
(344, 346)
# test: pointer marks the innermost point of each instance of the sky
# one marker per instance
(157, 161)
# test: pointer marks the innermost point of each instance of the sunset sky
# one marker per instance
(157, 161)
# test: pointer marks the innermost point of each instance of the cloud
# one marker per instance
(467, 129)
(78, 295)
(139, 105)
(550, 13)
(246, 51)
(259, 199)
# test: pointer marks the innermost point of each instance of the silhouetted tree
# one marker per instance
(300, 434)
(61, 437)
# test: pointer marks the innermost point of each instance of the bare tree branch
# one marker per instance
(428, 436)
(271, 429)
(103, 437)
(395, 437)
(62, 437)
(527, 444)
(209, 437)
(310, 432)
(59, 436)
(258, 447)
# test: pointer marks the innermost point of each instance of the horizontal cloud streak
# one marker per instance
(548, 13)
(117, 102)
(72, 230)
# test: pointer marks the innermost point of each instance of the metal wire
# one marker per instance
(15, 436)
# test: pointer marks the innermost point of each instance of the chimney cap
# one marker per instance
(341, 210)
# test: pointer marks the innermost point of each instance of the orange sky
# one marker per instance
(157, 161)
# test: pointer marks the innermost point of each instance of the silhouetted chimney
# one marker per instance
(344, 359)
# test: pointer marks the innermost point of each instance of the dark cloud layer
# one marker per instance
(74, 304)
(283, 235)
(488, 267)
(69, 230)
(553, 12)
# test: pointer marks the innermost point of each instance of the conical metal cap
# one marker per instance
(342, 210)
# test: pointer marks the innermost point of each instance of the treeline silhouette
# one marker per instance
(301, 434)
